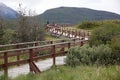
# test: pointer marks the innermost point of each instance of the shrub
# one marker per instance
(104, 34)
(72, 57)
(88, 25)
(86, 55)
(102, 55)
(115, 45)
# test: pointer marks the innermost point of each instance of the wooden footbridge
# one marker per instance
(66, 32)
(18, 54)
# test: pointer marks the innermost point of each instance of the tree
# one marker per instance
(22, 26)
(37, 32)
(1, 32)
(28, 28)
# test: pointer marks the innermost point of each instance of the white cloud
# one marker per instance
(41, 5)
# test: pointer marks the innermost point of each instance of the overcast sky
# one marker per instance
(39, 6)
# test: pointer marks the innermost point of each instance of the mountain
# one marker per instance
(7, 12)
(75, 15)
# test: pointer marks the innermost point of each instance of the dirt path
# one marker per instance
(42, 65)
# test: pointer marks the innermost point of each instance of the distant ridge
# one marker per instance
(7, 13)
(71, 15)
(75, 15)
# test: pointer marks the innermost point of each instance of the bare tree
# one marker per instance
(28, 28)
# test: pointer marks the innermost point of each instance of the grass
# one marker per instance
(48, 37)
(78, 73)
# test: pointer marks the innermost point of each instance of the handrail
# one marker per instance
(17, 45)
(11, 50)
(21, 43)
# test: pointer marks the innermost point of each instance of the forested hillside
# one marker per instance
(75, 15)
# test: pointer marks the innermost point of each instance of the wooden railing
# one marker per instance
(69, 33)
(34, 53)
(31, 44)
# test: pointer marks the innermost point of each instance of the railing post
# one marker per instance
(18, 52)
(72, 33)
(88, 33)
(36, 50)
(74, 41)
(69, 45)
(53, 54)
(63, 47)
(6, 64)
(84, 35)
(76, 34)
(51, 42)
(36, 44)
(30, 59)
(62, 31)
(68, 34)
(79, 35)
(81, 43)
